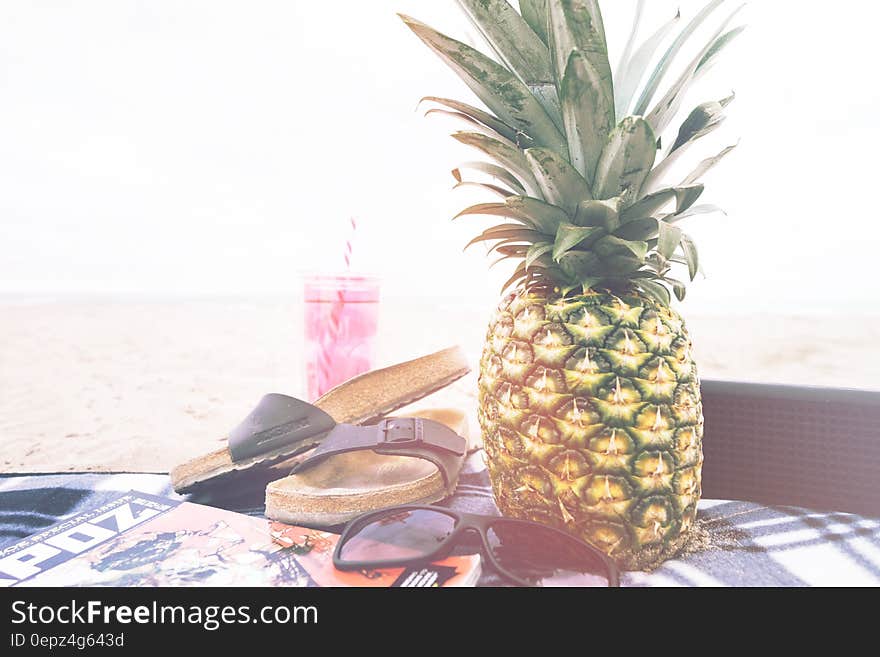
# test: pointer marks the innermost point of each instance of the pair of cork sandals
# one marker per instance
(342, 464)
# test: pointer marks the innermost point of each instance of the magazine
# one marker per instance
(144, 540)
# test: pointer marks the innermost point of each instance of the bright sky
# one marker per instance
(218, 146)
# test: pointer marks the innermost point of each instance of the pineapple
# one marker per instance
(589, 396)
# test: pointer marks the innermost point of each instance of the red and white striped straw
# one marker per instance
(327, 350)
(348, 242)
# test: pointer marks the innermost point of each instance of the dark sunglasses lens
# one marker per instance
(544, 557)
(403, 534)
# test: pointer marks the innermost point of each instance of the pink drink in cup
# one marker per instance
(341, 316)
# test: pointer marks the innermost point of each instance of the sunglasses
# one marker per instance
(523, 552)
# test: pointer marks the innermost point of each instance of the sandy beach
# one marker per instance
(138, 386)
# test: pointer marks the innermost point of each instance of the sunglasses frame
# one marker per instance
(464, 522)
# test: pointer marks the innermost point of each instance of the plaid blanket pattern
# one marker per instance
(746, 544)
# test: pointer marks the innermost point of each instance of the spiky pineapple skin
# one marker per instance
(592, 421)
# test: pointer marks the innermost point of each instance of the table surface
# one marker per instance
(744, 544)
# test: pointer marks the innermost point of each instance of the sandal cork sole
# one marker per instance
(357, 401)
(347, 485)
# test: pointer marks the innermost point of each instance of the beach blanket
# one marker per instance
(736, 543)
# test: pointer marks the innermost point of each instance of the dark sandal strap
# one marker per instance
(415, 437)
(277, 421)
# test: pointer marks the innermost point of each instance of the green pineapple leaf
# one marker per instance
(611, 246)
(476, 126)
(692, 257)
(579, 57)
(494, 210)
(620, 265)
(537, 250)
(694, 211)
(588, 115)
(498, 261)
(477, 115)
(510, 36)
(518, 47)
(510, 157)
(576, 25)
(502, 92)
(544, 216)
(632, 67)
(684, 197)
(506, 232)
(638, 229)
(580, 265)
(704, 166)
(550, 276)
(492, 170)
(719, 44)
(700, 122)
(598, 213)
(518, 275)
(626, 160)
(533, 213)
(510, 245)
(560, 184)
(534, 12)
(495, 189)
(665, 110)
(678, 288)
(568, 236)
(626, 56)
(510, 248)
(655, 290)
(587, 284)
(669, 237)
(665, 62)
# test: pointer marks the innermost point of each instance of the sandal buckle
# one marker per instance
(401, 432)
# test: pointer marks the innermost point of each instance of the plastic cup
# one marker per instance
(341, 317)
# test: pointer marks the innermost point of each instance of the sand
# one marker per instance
(138, 386)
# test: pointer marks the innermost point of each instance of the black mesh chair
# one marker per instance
(791, 445)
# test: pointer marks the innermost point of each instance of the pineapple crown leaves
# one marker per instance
(577, 166)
